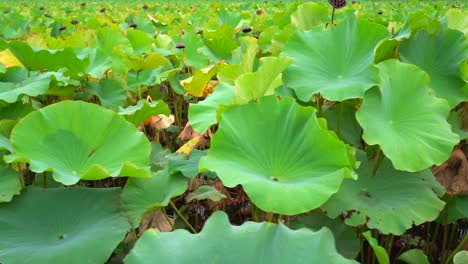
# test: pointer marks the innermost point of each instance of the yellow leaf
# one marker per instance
(191, 144)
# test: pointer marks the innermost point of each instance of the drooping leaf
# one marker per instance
(33, 86)
(264, 81)
(204, 114)
(10, 184)
(283, 156)
(341, 119)
(337, 62)
(205, 192)
(61, 225)
(247, 51)
(309, 15)
(196, 84)
(221, 242)
(111, 92)
(142, 196)
(456, 208)
(77, 140)
(188, 167)
(143, 110)
(347, 243)
(221, 42)
(440, 56)
(379, 251)
(405, 118)
(414, 256)
(391, 200)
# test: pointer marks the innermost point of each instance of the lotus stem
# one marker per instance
(332, 17)
(340, 119)
(456, 250)
(270, 217)
(182, 217)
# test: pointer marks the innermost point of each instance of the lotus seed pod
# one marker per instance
(337, 3)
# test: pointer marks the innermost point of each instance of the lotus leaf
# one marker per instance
(204, 114)
(33, 86)
(414, 256)
(220, 242)
(283, 156)
(187, 166)
(440, 56)
(10, 184)
(205, 192)
(461, 257)
(143, 110)
(404, 117)
(391, 201)
(379, 251)
(309, 15)
(337, 62)
(347, 243)
(61, 225)
(141, 196)
(78, 140)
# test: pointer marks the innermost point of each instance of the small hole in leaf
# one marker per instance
(61, 237)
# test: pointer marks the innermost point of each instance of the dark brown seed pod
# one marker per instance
(133, 25)
(83, 4)
(47, 15)
(41, 8)
(246, 29)
(380, 12)
(180, 45)
(337, 3)
(74, 22)
(103, 10)
(62, 28)
(259, 12)
(145, 7)
(200, 31)
(6, 11)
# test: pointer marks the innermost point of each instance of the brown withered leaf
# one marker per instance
(453, 174)
(156, 220)
(162, 121)
(188, 133)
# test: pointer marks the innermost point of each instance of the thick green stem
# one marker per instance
(340, 119)
(182, 217)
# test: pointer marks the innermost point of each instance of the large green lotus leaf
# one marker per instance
(204, 114)
(149, 61)
(419, 20)
(52, 60)
(143, 110)
(220, 242)
(111, 92)
(379, 251)
(205, 192)
(61, 225)
(5, 143)
(309, 15)
(347, 243)
(33, 86)
(225, 16)
(253, 85)
(10, 184)
(141, 196)
(283, 156)
(391, 200)
(406, 119)
(15, 111)
(414, 256)
(440, 56)
(78, 140)
(246, 55)
(337, 62)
